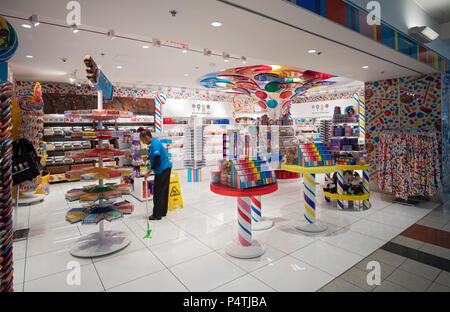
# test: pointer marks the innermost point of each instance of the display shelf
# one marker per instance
(300, 169)
(353, 167)
(347, 197)
(97, 114)
(94, 192)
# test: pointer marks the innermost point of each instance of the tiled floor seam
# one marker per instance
(166, 267)
(26, 251)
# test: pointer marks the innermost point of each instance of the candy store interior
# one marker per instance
(293, 165)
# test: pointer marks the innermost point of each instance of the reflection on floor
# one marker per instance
(186, 251)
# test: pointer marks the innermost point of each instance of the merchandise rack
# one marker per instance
(102, 242)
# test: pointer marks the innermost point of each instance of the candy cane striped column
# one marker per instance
(362, 115)
(327, 178)
(256, 208)
(311, 226)
(366, 203)
(309, 183)
(244, 221)
(258, 222)
(340, 189)
(159, 100)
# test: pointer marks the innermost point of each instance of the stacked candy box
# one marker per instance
(315, 155)
(251, 172)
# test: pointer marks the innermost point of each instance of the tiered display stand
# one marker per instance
(309, 182)
(244, 247)
(341, 197)
(102, 242)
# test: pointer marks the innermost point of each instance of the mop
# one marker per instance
(146, 206)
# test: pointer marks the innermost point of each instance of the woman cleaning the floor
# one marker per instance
(161, 166)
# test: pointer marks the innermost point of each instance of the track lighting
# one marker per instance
(207, 52)
(226, 57)
(111, 34)
(243, 59)
(156, 42)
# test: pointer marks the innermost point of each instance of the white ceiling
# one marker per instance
(437, 9)
(261, 40)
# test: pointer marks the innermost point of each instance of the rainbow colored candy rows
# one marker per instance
(315, 155)
(248, 173)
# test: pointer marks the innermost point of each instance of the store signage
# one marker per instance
(201, 108)
(320, 108)
(98, 78)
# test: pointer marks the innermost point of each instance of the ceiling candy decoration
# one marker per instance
(8, 40)
(268, 85)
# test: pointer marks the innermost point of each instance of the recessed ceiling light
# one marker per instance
(275, 67)
(119, 67)
(30, 56)
(26, 25)
(365, 67)
(145, 46)
(185, 75)
(216, 24)
(312, 51)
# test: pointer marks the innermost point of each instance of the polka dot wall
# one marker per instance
(409, 102)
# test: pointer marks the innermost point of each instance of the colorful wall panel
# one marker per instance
(409, 102)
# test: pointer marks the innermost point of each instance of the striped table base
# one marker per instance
(258, 222)
(311, 226)
(244, 247)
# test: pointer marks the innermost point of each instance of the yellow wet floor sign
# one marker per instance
(175, 198)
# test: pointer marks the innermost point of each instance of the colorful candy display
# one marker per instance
(6, 226)
(248, 173)
(310, 155)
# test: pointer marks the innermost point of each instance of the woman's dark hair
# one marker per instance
(144, 132)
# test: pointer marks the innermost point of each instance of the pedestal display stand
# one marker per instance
(244, 247)
(103, 242)
(309, 183)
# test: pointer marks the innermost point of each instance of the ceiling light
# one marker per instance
(119, 67)
(216, 24)
(145, 46)
(74, 28)
(243, 59)
(156, 42)
(226, 57)
(365, 67)
(275, 67)
(34, 20)
(185, 75)
(423, 34)
(26, 25)
(30, 56)
(72, 80)
(207, 52)
(185, 49)
(111, 34)
(312, 51)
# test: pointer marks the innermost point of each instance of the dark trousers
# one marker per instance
(161, 193)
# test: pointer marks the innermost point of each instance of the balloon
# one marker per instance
(272, 104)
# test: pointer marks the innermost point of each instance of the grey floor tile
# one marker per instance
(408, 242)
(341, 285)
(409, 280)
(436, 250)
(436, 287)
(358, 278)
(443, 278)
(388, 257)
(387, 286)
(420, 269)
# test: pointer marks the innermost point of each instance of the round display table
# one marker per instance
(244, 247)
(309, 183)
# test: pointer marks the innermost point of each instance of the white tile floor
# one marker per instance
(186, 251)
